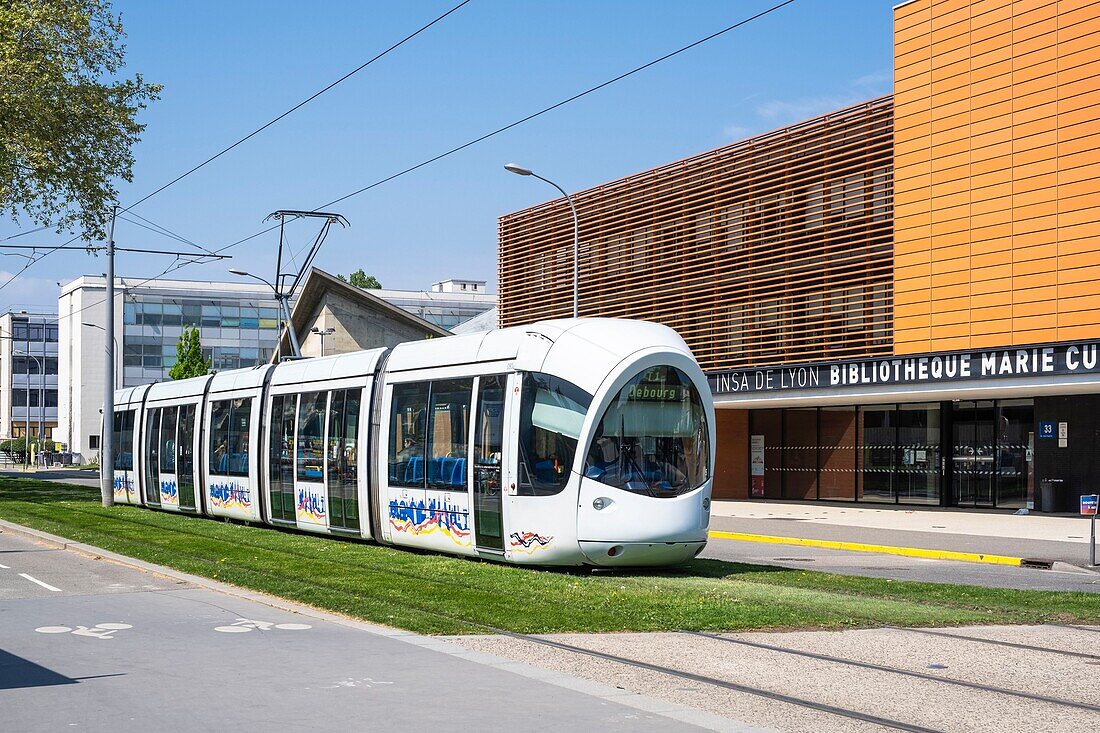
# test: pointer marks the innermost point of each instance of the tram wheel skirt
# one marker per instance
(633, 554)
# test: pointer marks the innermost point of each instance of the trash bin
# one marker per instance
(1052, 492)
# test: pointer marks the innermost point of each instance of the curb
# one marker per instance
(862, 547)
(651, 705)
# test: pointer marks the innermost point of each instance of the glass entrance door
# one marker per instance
(488, 462)
(973, 460)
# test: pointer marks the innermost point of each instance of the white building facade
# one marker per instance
(447, 304)
(238, 324)
(28, 374)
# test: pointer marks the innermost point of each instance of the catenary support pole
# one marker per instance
(107, 455)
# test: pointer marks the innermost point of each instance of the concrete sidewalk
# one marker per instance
(1056, 538)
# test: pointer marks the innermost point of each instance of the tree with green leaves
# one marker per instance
(68, 119)
(189, 360)
(361, 279)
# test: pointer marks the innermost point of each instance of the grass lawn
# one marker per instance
(445, 595)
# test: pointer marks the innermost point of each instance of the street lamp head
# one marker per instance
(242, 273)
(517, 169)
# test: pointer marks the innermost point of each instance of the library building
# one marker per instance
(895, 302)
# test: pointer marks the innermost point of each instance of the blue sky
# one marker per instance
(229, 66)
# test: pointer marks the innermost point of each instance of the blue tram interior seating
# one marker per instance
(443, 471)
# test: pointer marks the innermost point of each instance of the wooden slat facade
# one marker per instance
(776, 249)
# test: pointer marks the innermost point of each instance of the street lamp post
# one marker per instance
(282, 299)
(322, 332)
(521, 171)
(27, 414)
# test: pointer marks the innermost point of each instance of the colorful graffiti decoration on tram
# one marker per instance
(528, 542)
(230, 496)
(123, 485)
(418, 518)
(311, 507)
(168, 493)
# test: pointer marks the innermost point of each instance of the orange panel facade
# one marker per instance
(773, 250)
(997, 163)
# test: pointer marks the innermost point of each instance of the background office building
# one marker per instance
(28, 374)
(448, 304)
(239, 326)
(895, 302)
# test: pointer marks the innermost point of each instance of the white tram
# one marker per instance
(571, 442)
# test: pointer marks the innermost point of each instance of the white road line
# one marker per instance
(5, 567)
(47, 586)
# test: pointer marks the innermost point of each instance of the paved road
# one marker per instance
(903, 568)
(1074, 553)
(90, 645)
(63, 475)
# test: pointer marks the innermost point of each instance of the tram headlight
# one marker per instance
(706, 503)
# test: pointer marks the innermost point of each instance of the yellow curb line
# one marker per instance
(861, 547)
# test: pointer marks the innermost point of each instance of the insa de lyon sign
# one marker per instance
(957, 366)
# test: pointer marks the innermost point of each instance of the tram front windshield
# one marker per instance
(653, 438)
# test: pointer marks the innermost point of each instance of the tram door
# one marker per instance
(489, 462)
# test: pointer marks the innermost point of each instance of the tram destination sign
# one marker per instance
(1031, 361)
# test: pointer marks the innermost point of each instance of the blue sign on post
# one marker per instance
(1046, 429)
(1088, 505)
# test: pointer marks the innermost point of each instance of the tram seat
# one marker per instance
(458, 473)
(414, 469)
(223, 464)
(544, 471)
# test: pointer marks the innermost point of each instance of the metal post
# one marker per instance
(27, 422)
(42, 392)
(289, 326)
(107, 447)
(1092, 543)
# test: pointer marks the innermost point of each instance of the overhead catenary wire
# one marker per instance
(247, 137)
(470, 143)
(528, 118)
(296, 107)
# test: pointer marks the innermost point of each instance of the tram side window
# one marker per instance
(408, 418)
(311, 436)
(123, 436)
(168, 440)
(552, 411)
(448, 433)
(229, 425)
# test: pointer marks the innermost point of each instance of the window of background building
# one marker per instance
(19, 397)
(918, 454)
(735, 227)
(882, 196)
(769, 423)
(837, 441)
(639, 249)
(704, 225)
(799, 459)
(878, 445)
(736, 328)
(846, 196)
(28, 365)
(814, 202)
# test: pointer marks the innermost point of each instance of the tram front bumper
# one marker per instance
(635, 554)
